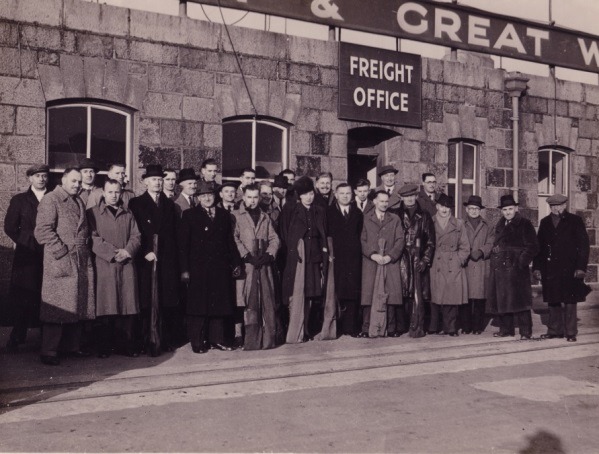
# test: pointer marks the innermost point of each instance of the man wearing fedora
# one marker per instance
(156, 218)
(187, 198)
(89, 170)
(561, 267)
(27, 267)
(387, 176)
(509, 292)
(481, 237)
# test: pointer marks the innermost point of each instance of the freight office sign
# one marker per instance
(379, 86)
(441, 23)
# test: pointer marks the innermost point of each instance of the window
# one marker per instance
(553, 176)
(462, 173)
(78, 131)
(257, 143)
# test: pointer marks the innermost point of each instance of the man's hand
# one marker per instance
(151, 257)
(579, 274)
(476, 255)
(185, 277)
(378, 258)
(121, 255)
(386, 259)
(537, 274)
(421, 266)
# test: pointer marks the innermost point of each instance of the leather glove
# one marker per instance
(421, 266)
(579, 274)
(476, 255)
(263, 260)
(251, 259)
(537, 275)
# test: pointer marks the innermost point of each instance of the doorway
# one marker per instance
(363, 152)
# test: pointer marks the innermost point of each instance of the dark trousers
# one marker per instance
(205, 329)
(170, 327)
(472, 316)
(523, 320)
(397, 319)
(313, 317)
(65, 337)
(114, 332)
(348, 317)
(26, 311)
(444, 316)
(562, 319)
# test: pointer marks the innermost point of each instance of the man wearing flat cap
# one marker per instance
(89, 170)
(417, 257)
(187, 198)
(509, 293)
(157, 263)
(561, 266)
(26, 279)
(387, 175)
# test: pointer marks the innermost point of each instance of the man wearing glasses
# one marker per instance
(427, 198)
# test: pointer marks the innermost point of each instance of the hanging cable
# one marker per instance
(552, 72)
(202, 6)
(247, 89)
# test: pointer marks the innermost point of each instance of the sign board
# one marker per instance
(380, 86)
(445, 24)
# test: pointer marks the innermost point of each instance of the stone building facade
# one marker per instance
(179, 80)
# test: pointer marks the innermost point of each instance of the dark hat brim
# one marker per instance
(480, 205)
(515, 204)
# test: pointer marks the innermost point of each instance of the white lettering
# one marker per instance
(363, 67)
(450, 27)
(359, 96)
(404, 25)
(589, 54)
(353, 64)
(509, 38)
(538, 35)
(477, 31)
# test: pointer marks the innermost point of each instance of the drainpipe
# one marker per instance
(183, 8)
(515, 84)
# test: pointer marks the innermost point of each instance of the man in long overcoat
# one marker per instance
(209, 260)
(187, 198)
(344, 226)
(387, 175)
(379, 224)
(115, 242)
(257, 242)
(561, 266)
(68, 284)
(27, 267)
(156, 219)
(116, 171)
(481, 237)
(427, 197)
(509, 292)
(89, 170)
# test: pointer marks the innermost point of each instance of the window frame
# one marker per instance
(474, 182)
(279, 124)
(543, 208)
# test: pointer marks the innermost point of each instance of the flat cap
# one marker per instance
(387, 169)
(37, 168)
(557, 199)
(408, 189)
(230, 184)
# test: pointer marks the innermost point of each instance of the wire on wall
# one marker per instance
(237, 60)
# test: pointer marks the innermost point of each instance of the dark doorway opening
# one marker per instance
(363, 150)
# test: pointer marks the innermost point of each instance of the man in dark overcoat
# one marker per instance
(561, 266)
(187, 198)
(509, 294)
(156, 219)
(27, 267)
(344, 226)
(427, 197)
(209, 261)
(387, 175)
(324, 195)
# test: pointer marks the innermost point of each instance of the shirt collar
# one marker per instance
(38, 194)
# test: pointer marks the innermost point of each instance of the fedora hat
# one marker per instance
(153, 170)
(475, 200)
(88, 164)
(507, 201)
(187, 174)
(408, 190)
(205, 188)
(445, 200)
(280, 181)
(387, 169)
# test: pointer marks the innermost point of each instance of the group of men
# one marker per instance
(255, 265)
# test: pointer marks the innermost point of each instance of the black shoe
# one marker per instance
(477, 332)
(571, 338)
(50, 360)
(395, 334)
(466, 331)
(78, 354)
(431, 332)
(361, 335)
(525, 337)
(238, 342)
(221, 347)
(552, 336)
(199, 349)
(500, 334)
(453, 334)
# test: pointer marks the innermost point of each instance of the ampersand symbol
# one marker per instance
(325, 10)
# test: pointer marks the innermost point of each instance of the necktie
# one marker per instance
(432, 197)
(156, 199)
(362, 206)
(345, 213)
(389, 191)
(192, 202)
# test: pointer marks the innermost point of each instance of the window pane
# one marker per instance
(559, 174)
(451, 187)
(67, 136)
(109, 137)
(543, 172)
(237, 148)
(468, 161)
(451, 170)
(269, 142)
(467, 191)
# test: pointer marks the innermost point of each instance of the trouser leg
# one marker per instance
(51, 335)
(406, 315)
(571, 319)
(71, 337)
(365, 318)
(478, 315)
(348, 316)
(450, 315)
(105, 334)
(465, 316)
(196, 331)
(392, 326)
(524, 322)
(507, 324)
(216, 330)
(555, 325)
(313, 317)
(435, 316)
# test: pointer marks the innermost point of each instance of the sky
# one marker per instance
(582, 15)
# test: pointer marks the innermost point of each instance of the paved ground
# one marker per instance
(470, 394)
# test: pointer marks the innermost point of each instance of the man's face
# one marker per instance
(279, 192)
(324, 185)
(153, 184)
(117, 173)
(381, 202)
(248, 178)
(265, 194)
(251, 198)
(443, 211)
(430, 184)
(71, 182)
(362, 192)
(557, 209)
(409, 200)
(189, 187)
(473, 211)
(307, 198)
(509, 212)
(39, 180)
(343, 196)
(87, 176)
(112, 194)
(290, 177)
(169, 181)
(227, 194)
(206, 200)
(209, 172)
(388, 179)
